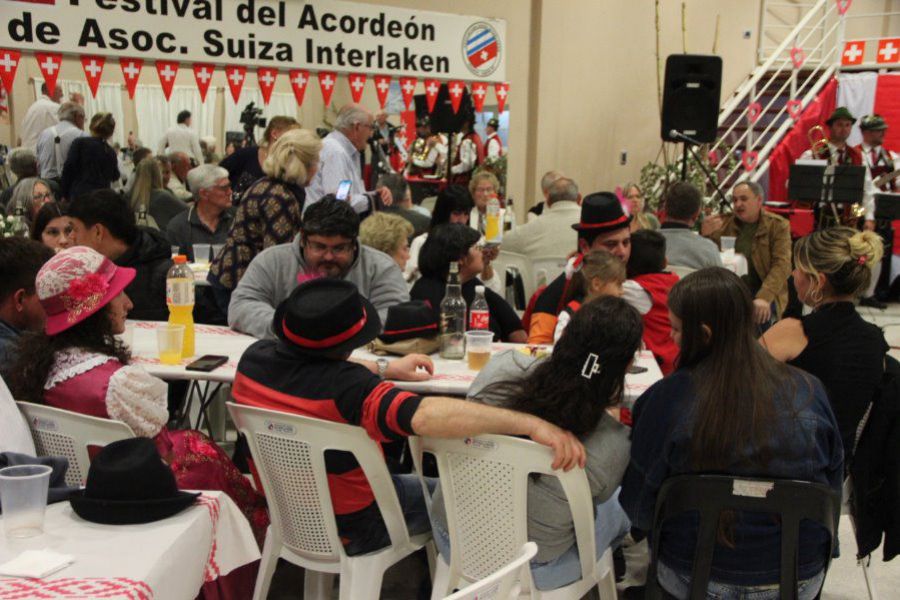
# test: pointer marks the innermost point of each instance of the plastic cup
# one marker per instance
(478, 348)
(201, 254)
(170, 341)
(728, 243)
(23, 494)
(216, 250)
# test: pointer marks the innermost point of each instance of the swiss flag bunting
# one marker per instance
(357, 83)
(266, 77)
(408, 89)
(432, 87)
(235, 76)
(299, 78)
(501, 90)
(479, 92)
(382, 85)
(203, 74)
(167, 71)
(131, 71)
(327, 80)
(853, 53)
(9, 63)
(93, 70)
(888, 51)
(456, 89)
(49, 65)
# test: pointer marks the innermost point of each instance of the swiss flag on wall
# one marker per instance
(9, 63)
(49, 65)
(266, 77)
(432, 87)
(479, 92)
(167, 71)
(408, 89)
(853, 53)
(235, 77)
(888, 51)
(456, 89)
(357, 83)
(299, 78)
(203, 74)
(327, 80)
(501, 90)
(131, 71)
(93, 71)
(382, 85)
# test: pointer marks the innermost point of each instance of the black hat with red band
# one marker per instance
(409, 320)
(326, 317)
(602, 212)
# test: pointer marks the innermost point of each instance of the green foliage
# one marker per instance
(656, 177)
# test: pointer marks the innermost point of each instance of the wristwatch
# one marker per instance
(382, 366)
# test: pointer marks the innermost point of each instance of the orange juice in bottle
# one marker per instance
(180, 299)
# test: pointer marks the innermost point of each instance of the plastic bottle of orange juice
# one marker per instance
(180, 299)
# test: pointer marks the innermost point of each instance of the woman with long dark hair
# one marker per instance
(453, 205)
(729, 408)
(52, 226)
(572, 388)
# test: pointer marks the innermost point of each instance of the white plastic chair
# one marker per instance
(682, 272)
(59, 432)
(289, 453)
(503, 584)
(484, 485)
(547, 268)
(522, 263)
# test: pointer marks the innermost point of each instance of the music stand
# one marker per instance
(826, 184)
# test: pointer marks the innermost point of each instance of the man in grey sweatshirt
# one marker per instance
(326, 246)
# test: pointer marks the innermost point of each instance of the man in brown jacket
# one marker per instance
(765, 239)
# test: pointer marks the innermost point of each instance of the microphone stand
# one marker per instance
(688, 143)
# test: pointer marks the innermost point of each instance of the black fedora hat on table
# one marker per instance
(602, 212)
(409, 320)
(129, 483)
(326, 316)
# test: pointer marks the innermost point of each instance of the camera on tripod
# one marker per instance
(250, 119)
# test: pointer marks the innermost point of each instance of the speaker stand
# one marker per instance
(688, 148)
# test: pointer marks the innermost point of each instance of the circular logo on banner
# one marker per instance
(481, 49)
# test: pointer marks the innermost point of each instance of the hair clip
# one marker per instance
(862, 259)
(591, 366)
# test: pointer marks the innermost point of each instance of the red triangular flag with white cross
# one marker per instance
(479, 92)
(9, 64)
(235, 76)
(266, 77)
(432, 87)
(382, 85)
(167, 71)
(357, 83)
(299, 78)
(131, 72)
(327, 80)
(408, 89)
(456, 90)
(203, 74)
(501, 90)
(49, 65)
(93, 71)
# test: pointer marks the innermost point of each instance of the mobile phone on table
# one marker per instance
(343, 190)
(635, 369)
(207, 363)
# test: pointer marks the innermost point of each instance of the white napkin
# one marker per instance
(36, 564)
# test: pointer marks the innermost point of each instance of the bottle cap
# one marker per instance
(479, 289)
(179, 259)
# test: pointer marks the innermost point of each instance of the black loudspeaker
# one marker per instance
(443, 118)
(691, 97)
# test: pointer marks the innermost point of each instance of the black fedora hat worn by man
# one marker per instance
(604, 225)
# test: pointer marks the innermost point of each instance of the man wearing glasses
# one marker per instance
(339, 160)
(326, 246)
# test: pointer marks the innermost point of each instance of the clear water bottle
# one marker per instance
(19, 223)
(180, 300)
(509, 216)
(480, 314)
(453, 318)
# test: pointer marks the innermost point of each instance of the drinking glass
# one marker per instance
(170, 340)
(23, 495)
(478, 348)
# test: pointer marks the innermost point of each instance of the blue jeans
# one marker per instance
(610, 526)
(679, 585)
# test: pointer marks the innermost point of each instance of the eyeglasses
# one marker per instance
(225, 187)
(485, 189)
(45, 196)
(337, 250)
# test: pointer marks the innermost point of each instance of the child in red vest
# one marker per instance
(647, 289)
(597, 274)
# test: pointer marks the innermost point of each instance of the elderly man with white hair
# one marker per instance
(209, 220)
(53, 143)
(339, 161)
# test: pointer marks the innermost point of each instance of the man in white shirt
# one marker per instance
(551, 233)
(339, 161)
(182, 138)
(493, 145)
(40, 115)
(880, 161)
(54, 142)
(181, 164)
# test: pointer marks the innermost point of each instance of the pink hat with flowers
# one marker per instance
(75, 284)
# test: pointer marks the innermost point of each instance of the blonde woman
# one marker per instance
(635, 199)
(833, 268)
(245, 165)
(91, 163)
(150, 200)
(388, 233)
(269, 213)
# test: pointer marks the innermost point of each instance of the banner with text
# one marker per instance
(320, 35)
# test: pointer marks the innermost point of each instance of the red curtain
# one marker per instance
(887, 104)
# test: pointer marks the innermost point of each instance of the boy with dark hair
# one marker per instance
(646, 269)
(20, 309)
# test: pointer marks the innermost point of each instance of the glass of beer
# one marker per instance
(478, 348)
(170, 340)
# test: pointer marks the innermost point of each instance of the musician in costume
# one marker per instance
(493, 145)
(381, 147)
(880, 161)
(428, 155)
(468, 152)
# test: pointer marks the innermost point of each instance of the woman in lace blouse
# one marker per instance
(77, 364)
